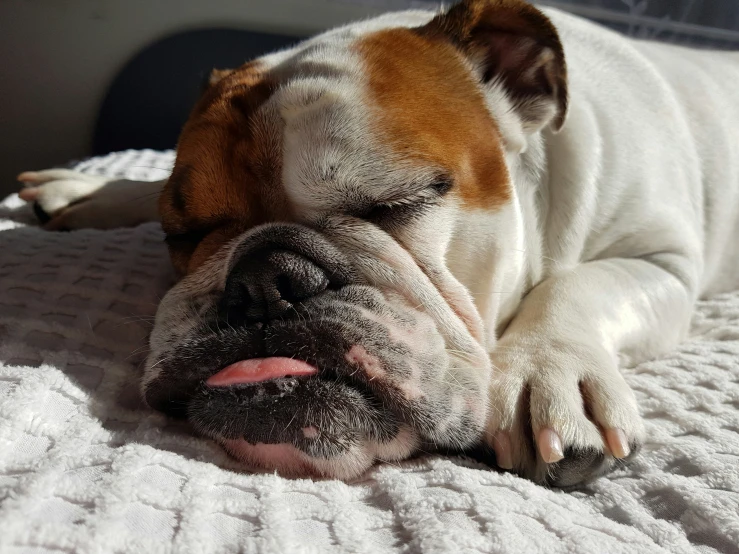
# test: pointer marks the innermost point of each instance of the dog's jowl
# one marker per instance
(434, 231)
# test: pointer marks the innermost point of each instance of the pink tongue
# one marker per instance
(258, 370)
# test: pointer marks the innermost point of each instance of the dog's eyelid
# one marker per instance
(413, 203)
(194, 232)
(441, 185)
(413, 206)
(185, 237)
(438, 188)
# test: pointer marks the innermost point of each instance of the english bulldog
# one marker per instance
(430, 232)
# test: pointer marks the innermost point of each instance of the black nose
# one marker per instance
(263, 286)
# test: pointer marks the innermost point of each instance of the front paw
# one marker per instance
(561, 413)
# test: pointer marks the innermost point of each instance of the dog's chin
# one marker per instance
(384, 386)
(290, 461)
(312, 426)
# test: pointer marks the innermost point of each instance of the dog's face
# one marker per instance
(326, 209)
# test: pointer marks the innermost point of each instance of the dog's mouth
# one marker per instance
(258, 370)
(348, 378)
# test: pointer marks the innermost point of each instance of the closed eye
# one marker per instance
(402, 209)
(188, 239)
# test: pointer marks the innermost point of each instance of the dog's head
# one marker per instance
(339, 212)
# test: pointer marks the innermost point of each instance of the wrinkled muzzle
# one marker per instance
(282, 350)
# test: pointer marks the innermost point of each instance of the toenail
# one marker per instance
(550, 446)
(617, 443)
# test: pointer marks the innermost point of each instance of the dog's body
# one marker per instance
(501, 310)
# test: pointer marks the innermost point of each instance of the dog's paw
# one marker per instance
(56, 194)
(561, 413)
(65, 200)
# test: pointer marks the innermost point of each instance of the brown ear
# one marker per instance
(512, 43)
(218, 74)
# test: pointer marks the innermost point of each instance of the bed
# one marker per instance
(85, 467)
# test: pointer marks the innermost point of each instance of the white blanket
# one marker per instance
(84, 467)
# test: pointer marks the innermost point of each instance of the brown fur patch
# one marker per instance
(430, 110)
(224, 179)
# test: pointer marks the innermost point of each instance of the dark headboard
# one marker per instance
(150, 99)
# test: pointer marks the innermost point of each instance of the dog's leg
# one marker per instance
(561, 412)
(65, 199)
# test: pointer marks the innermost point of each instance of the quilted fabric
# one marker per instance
(84, 467)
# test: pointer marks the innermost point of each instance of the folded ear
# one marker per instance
(213, 78)
(218, 74)
(513, 44)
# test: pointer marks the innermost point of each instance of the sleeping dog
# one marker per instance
(434, 231)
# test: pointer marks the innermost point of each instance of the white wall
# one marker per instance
(57, 58)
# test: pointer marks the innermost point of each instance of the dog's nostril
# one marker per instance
(237, 303)
(263, 286)
(285, 289)
(296, 288)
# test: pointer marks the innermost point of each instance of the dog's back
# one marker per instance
(661, 125)
(706, 86)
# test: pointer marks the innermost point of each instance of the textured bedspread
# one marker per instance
(84, 467)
